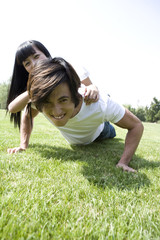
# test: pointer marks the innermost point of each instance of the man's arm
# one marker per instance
(25, 131)
(133, 137)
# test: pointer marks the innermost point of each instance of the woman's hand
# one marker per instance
(91, 94)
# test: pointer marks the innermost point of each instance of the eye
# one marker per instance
(27, 64)
(64, 100)
(36, 56)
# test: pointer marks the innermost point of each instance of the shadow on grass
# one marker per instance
(100, 159)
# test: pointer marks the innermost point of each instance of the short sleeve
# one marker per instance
(114, 111)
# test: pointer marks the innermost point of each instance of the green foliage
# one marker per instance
(153, 113)
(147, 114)
(57, 191)
(140, 112)
(3, 94)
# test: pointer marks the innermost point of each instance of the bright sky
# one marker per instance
(118, 41)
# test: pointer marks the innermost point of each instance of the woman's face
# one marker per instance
(30, 62)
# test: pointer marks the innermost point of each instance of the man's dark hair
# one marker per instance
(47, 75)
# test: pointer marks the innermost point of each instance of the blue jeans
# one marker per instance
(108, 132)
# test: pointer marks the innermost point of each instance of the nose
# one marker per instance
(57, 111)
(33, 64)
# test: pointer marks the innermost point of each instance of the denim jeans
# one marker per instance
(108, 132)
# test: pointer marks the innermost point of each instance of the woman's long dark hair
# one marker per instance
(20, 75)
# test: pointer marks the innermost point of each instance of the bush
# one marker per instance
(3, 95)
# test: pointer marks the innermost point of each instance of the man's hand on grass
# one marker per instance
(125, 167)
(15, 150)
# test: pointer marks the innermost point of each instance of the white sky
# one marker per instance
(118, 41)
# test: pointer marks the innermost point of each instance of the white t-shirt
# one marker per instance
(87, 125)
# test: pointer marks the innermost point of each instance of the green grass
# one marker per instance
(57, 191)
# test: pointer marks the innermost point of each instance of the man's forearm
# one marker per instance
(132, 140)
(25, 130)
(133, 137)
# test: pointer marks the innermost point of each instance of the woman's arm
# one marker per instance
(19, 103)
(91, 95)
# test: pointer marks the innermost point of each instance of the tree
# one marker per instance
(153, 112)
(141, 114)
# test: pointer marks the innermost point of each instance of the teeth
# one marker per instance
(59, 117)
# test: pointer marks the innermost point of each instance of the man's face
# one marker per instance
(59, 107)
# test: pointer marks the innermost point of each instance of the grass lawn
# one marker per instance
(57, 191)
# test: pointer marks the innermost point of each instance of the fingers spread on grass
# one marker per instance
(125, 167)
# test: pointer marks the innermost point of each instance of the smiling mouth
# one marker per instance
(58, 117)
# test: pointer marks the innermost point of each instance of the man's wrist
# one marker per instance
(23, 146)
